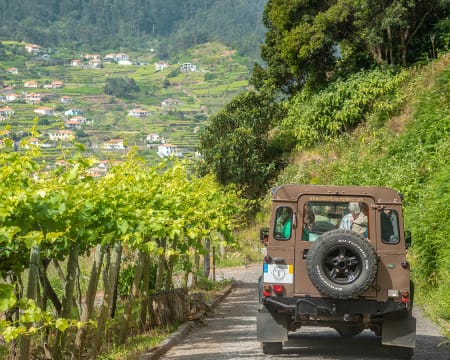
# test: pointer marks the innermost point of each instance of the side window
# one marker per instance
(283, 223)
(389, 226)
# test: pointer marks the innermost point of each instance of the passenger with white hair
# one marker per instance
(355, 220)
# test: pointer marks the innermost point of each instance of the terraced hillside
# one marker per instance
(172, 105)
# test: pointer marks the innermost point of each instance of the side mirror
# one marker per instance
(264, 236)
(408, 239)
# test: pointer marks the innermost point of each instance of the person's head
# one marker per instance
(309, 217)
(353, 207)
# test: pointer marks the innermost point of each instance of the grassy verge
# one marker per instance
(136, 345)
(139, 344)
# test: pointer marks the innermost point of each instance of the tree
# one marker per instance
(119, 87)
(236, 145)
(307, 43)
(111, 24)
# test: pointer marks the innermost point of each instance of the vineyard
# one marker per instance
(125, 235)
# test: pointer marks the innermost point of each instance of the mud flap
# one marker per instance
(270, 327)
(399, 331)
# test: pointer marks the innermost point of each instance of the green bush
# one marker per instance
(342, 106)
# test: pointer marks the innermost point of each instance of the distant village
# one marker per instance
(74, 119)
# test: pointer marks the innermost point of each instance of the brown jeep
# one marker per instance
(336, 257)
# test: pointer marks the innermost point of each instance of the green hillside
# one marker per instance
(403, 142)
(178, 103)
(165, 26)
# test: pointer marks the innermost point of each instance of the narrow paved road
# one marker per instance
(230, 333)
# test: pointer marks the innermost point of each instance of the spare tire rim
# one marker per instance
(342, 265)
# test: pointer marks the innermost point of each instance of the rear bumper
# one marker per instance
(331, 307)
(278, 315)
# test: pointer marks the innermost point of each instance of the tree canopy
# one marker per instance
(236, 145)
(166, 25)
(122, 88)
(321, 58)
(310, 42)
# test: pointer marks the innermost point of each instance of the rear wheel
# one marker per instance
(272, 348)
(406, 353)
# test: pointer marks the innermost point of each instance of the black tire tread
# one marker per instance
(321, 245)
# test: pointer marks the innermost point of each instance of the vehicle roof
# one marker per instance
(291, 192)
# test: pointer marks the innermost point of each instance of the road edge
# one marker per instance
(184, 329)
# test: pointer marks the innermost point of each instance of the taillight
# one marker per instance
(404, 296)
(267, 291)
(278, 289)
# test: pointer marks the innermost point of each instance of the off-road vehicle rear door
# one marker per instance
(340, 262)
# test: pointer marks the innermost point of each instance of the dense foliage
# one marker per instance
(167, 26)
(236, 145)
(311, 42)
(315, 54)
(121, 88)
(341, 106)
(160, 215)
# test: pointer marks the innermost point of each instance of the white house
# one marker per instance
(161, 65)
(33, 141)
(153, 138)
(95, 63)
(6, 111)
(80, 119)
(61, 135)
(169, 103)
(31, 84)
(43, 110)
(114, 144)
(66, 100)
(122, 57)
(186, 67)
(32, 48)
(165, 150)
(12, 97)
(92, 56)
(138, 113)
(76, 122)
(116, 57)
(73, 112)
(33, 98)
(56, 84)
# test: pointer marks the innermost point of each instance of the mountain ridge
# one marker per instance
(167, 26)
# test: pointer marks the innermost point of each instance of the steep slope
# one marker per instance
(411, 153)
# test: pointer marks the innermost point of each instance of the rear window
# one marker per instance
(320, 217)
(283, 223)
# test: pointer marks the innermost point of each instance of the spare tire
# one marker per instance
(341, 264)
